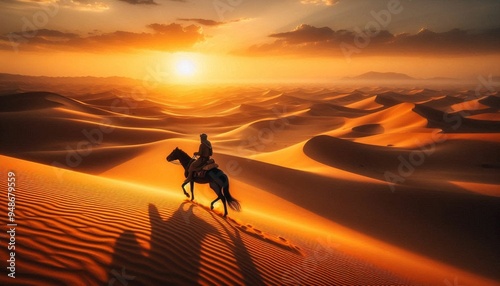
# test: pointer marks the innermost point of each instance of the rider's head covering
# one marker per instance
(203, 136)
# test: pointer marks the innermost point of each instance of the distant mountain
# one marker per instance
(21, 76)
(14, 83)
(5, 77)
(442, 78)
(381, 76)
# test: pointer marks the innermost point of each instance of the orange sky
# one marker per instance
(249, 40)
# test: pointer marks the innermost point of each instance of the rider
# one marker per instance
(204, 153)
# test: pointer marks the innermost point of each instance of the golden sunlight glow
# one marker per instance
(185, 67)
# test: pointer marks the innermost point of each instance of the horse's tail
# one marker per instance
(233, 203)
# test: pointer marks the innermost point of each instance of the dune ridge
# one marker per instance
(306, 162)
(88, 235)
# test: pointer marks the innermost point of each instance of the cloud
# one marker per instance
(147, 2)
(82, 5)
(164, 37)
(306, 34)
(310, 40)
(320, 2)
(204, 22)
(86, 5)
(54, 34)
(207, 22)
(142, 2)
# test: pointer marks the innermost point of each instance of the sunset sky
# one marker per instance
(217, 40)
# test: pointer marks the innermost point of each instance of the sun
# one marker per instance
(185, 67)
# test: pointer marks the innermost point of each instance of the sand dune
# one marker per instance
(369, 129)
(452, 159)
(343, 186)
(325, 109)
(111, 230)
(491, 101)
(456, 122)
(365, 104)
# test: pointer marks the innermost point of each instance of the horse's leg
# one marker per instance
(192, 190)
(218, 191)
(220, 196)
(184, 190)
(212, 204)
(224, 202)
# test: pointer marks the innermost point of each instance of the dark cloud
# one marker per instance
(146, 2)
(320, 2)
(208, 22)
(171, 37)
(310, 40)
(45, 33)
(82, 5)
(142, 2)
(174, 29)
(306, 34)
(204, 22)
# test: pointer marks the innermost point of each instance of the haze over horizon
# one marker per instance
(204, 41)
(355, 142)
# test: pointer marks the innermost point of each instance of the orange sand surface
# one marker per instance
(338, 186)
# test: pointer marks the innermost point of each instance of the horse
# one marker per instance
(218, 181)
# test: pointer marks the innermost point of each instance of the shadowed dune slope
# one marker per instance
(456, 122)
(414, 217)
(405, 178)
(105, 230)
(452, 159)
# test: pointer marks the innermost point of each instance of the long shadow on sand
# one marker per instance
(459, 228)
(252, 275)
(175, 254)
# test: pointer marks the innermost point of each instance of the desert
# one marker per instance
(339, 185)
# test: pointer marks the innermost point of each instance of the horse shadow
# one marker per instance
(174, 256)
(243, 258)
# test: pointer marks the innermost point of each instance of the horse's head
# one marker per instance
(174, 155)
